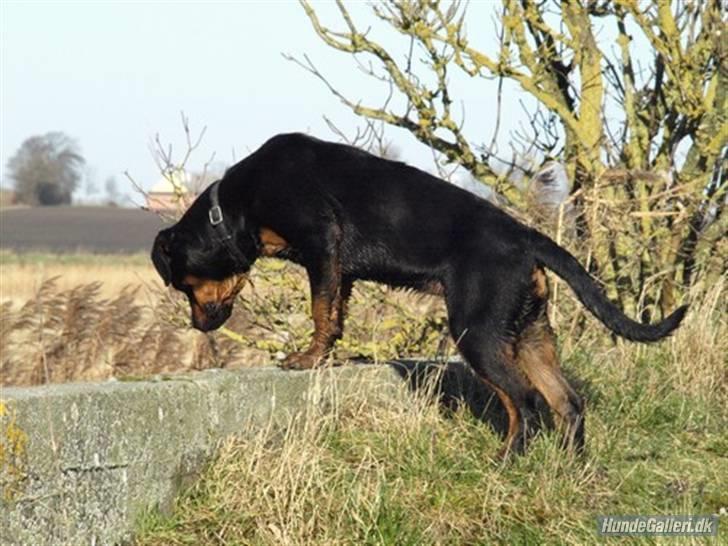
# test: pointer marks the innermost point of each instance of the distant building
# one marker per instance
(170, 193)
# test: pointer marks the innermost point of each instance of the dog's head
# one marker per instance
(191, 257)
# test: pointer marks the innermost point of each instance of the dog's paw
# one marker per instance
(301, 361)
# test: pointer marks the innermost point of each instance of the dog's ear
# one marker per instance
(161, 257)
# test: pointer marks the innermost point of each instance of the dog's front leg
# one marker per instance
(326, 307)
(341, 306)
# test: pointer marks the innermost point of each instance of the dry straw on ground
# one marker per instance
(71, 329)
(375, 469)
(76, 335)
(21, 275)
(381, 470)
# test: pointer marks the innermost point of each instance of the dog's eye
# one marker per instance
(190, 281)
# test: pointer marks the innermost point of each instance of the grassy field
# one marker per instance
(375, 470)
(22, 274)
(378, 471)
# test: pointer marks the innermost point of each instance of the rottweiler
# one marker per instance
(347, 215)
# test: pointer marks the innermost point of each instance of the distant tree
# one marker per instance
(46, 169)
(112, 192)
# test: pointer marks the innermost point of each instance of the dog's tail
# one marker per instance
(568, 268)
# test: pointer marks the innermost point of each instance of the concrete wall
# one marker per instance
(80, 462)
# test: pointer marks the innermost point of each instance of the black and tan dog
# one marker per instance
(345, 215)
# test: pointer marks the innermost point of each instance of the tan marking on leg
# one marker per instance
(325, 308)
(271, 242)
(538, 359)
(324, 323)
(540, 283)
(341, 309)
(514, 417)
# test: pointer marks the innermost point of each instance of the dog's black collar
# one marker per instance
(217, 220)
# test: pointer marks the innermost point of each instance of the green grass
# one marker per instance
(382, 470)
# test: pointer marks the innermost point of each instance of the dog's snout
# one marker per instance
(210, 316)
(216, 313)
(212, 309)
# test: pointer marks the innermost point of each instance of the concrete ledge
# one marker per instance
(80, 462)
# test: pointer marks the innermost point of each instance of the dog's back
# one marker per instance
(395, 218)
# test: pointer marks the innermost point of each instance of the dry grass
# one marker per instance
(76, 335)
(82, 317)
(107, 316)
(382, 470)
(21, 275)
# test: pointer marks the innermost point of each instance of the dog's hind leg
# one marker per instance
(478, 331)
(537, 357)
(498, 370)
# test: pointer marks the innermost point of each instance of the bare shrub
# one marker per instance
(383, 323)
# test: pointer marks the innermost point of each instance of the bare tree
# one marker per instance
(618, 121)
(200, 180)
(46, 169)
(175, 170)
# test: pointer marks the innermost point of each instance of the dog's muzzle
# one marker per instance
(210, 316)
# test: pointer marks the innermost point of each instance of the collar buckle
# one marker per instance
(215, 214)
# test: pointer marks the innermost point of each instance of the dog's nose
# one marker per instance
(212, 310)
(209, 316)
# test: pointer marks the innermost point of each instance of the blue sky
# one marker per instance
(113, 74)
